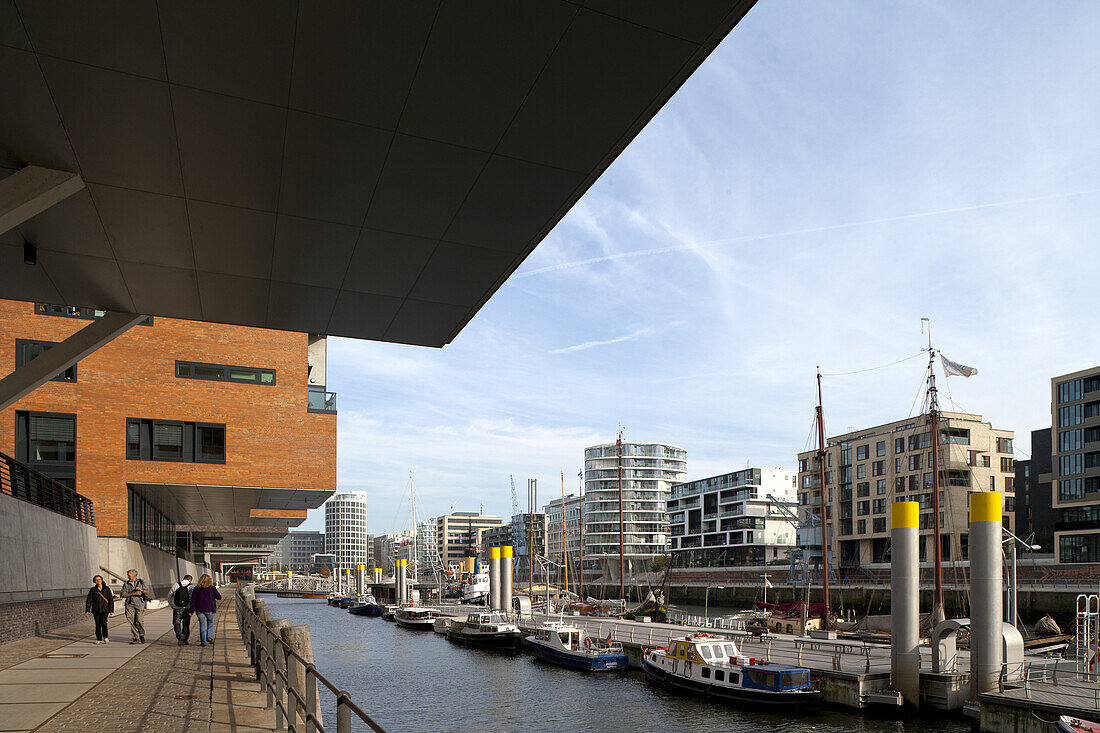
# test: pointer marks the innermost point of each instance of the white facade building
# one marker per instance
(728, 520)
(648, 472)
(346, 534)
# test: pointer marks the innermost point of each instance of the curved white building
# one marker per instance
(346, 530)
(649, 471)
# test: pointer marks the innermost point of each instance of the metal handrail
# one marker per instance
(23, 482)
(277, 664)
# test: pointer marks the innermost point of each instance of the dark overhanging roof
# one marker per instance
(365, 169)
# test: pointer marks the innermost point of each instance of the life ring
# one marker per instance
(1093, 656)
(587, 643)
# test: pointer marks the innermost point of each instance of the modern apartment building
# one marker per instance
(528, 527)
(295, 551)
(563, 530)
(456, 531)
(1075, 464)
(649, 470)
(1035, 513)
(197, 442)
(346, 530)
(728, 520)
(867, 470)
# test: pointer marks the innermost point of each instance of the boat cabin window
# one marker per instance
(765, 680)
(719, 675)
(705, 651)
(575, 640)
(706, 672)
(731, 650)
(735, 678)
(796, 680)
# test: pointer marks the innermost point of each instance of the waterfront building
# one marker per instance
(867, 470)
(346, 529)
(1035, 514)
(563, 530)
(649, 471)
(456, 531)
(497, 536)
(322, 562)
(198, 444)
(1075, 465)
(427, 543)
(295, 551)
(528, 526)
(729, 520)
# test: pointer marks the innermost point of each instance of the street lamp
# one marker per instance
(1014, 540)
(706, 605)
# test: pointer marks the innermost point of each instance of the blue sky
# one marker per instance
(830, 175)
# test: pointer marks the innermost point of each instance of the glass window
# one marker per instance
(27, 351)
(52, 439)
(168, 441)
(210, 443)
(133, 439)
(223, 373)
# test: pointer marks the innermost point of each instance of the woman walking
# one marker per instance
(101, 604)
(204, 604)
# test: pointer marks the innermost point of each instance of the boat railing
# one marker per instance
(292, 683)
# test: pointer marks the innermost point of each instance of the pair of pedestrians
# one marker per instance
(184, 600)
(200, 600)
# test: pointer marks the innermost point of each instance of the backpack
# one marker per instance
(182, 596)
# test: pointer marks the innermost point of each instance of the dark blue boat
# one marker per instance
(570, 646)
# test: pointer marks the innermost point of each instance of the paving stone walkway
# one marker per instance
(64, 683)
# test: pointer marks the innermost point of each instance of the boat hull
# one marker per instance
(424, 624)
(600, 663)
(803, 700)
(370, 609)
(507, 640)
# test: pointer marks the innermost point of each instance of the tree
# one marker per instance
(326, 571)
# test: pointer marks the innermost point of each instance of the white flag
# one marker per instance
(768, 583)
(955, 369)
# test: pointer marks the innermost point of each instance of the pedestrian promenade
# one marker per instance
(64, 683)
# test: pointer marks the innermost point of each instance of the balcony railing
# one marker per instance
(23, 482)
(318, 400)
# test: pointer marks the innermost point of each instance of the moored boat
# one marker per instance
(366, 606)
(570, 646)
(416, 617)
(490, 630)
(712, 666)
(1069, 724)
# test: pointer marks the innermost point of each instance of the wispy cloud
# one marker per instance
(605, 342)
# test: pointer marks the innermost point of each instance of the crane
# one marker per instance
(806, 550)
(515, 502)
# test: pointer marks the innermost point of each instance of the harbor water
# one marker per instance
(417, 681)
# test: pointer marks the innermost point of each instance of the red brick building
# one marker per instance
(197, 442)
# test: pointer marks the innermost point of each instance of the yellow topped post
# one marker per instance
(905, 600)
(986, 588)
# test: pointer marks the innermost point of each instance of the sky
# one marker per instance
(831, 174)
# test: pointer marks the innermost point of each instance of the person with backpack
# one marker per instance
(179, 598)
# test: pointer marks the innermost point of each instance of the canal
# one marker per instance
(416, 682)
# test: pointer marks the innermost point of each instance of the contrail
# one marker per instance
(795, 232)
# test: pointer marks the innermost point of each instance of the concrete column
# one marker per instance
(360, 579)
(506, 578)
(377, 576)
(494, 577)
(905, 600)
(399, 579)
(986, 587)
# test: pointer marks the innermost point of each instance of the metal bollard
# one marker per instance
(343, 712)
(310, 694)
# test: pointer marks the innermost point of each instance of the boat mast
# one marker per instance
(622, 562)
(564, 537)
(824, 529)
(934, 421)
(580, 534)
(412, 501)
(530, 533)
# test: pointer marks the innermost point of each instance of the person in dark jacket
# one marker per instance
(204, 604)
(101, 604)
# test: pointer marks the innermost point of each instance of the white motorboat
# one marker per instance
(489, 630)
(571, 646)
(416, 617)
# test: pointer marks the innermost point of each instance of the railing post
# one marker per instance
(269, 665)
(278, 663)
(343, 712)
(311, 694)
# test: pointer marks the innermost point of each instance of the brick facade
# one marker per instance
(271, 438)
(33, 618)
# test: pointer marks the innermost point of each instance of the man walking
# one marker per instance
(135, 593)
(179, 598)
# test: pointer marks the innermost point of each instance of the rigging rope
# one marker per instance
(871, 369)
